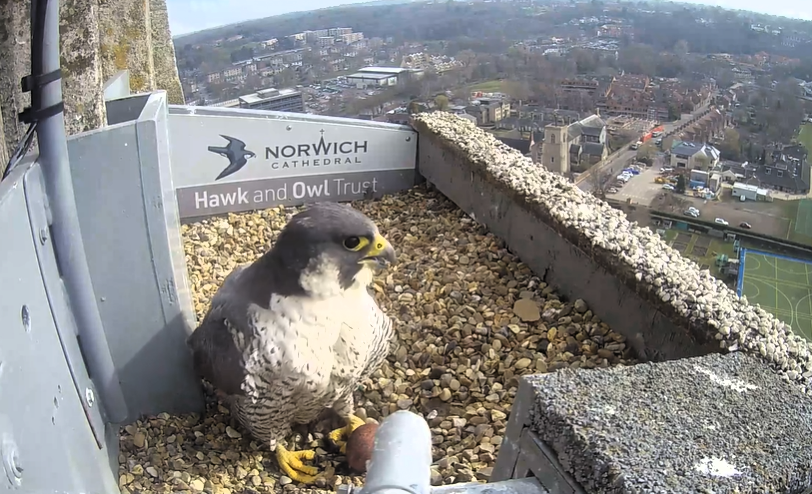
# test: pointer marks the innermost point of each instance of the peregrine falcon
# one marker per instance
(297, 330)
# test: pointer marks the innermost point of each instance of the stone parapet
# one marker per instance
(663, 303)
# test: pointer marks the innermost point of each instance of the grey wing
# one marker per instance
(215, 356)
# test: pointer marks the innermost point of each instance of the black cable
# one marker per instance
(33, 84)
(21, 150)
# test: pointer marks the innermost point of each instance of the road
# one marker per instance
(611, 167)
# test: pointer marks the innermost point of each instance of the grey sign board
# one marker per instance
(205, 200)
(227, 160)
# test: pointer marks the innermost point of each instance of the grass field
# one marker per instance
(805, 137)
(800, 228)
(780, 285)
(487, 86)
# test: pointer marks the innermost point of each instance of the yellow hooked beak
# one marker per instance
(380, 251)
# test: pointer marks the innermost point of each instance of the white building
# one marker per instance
(749, 192)
(366, 79)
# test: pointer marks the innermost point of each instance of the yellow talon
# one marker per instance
(342, 435)
(291, 464)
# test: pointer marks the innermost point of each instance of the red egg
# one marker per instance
(359, 447)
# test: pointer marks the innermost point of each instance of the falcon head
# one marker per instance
(330, 247)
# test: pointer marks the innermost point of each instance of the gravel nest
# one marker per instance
(470, 317)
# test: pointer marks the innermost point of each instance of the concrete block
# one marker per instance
(712, 424)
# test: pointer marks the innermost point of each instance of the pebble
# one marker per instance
(691, 296)
(470, 316)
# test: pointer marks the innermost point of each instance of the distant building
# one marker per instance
(566, 146)
(690, 155)
(489, 111)
(391, 75)
(787, 171)
(366, 79)
(286, 100)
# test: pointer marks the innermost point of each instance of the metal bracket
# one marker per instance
(522, 454)
(538, 460)
(38, 213)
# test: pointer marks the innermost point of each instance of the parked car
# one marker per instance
(721, 221)
(611, 190)
(745, 225)
(691, 212)
(669, 187)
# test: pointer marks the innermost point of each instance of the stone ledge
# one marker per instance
(678, 311)
(721, 424)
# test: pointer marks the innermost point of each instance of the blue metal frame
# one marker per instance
(740, 279)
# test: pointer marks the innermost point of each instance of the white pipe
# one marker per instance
(401, 456)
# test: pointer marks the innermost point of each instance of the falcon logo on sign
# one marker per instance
(236, 154)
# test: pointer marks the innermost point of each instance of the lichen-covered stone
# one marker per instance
(163, 53)
(15, 61)
(126, 41)
(98, 38)
(82, 81)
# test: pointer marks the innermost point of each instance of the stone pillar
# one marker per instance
(98, 39)
(163, 53)
(82, 77)
(15, 49)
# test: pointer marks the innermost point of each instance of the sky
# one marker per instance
(186, 16)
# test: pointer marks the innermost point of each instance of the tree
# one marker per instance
(600, 180)
(673, 112)
(519, 90)
(681, 48)
(441, 102)
(702, 161)
(646, 153)
(730, 147)
(285, 78)
(680, 187)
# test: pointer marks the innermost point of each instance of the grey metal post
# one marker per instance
(67, 239)
(401, 456)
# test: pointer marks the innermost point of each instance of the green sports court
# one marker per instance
(780, 285)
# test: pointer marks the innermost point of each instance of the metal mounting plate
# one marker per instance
(45, 442)
(58, 298)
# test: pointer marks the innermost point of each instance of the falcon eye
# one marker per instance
(355, 243)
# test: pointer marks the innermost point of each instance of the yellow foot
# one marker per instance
(291, 464)
(342, 435)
